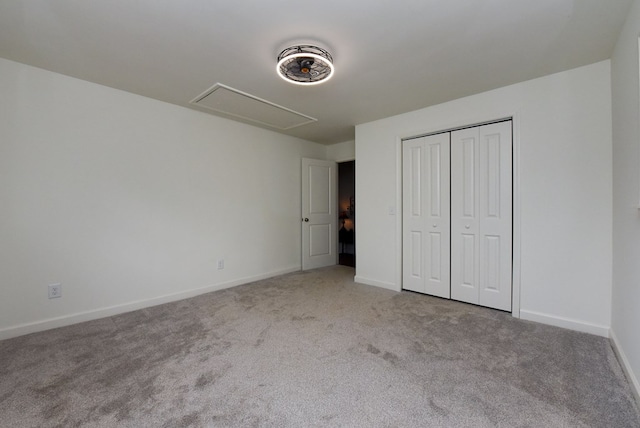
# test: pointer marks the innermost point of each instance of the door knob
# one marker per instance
(434, 225)
(467, 226)
(306, 219)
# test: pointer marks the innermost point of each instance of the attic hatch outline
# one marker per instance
(259, 110)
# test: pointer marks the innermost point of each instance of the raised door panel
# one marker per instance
(320, 177)
(319, 240)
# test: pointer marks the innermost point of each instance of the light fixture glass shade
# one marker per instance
(305, 65)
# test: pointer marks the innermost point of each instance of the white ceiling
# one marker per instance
(390, 56)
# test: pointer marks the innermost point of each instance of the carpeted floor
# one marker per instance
(313, 349)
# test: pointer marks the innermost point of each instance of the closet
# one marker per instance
(457, 214)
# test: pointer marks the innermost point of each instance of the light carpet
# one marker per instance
(313, 349)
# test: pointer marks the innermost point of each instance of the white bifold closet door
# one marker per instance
(457, 215)
(481, 215)
(426, 216)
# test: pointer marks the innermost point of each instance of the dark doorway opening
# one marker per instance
(347, 213)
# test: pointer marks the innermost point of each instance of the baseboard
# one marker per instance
(626, 367)
(571, 324)
(381, 284)
(34, 327)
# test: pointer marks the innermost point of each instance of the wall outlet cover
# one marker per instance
(55, 291)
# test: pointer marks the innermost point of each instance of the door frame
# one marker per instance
(458, 124)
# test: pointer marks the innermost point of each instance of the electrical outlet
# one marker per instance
(55, 291)
(220, 264)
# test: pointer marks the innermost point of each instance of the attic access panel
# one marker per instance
(232, 102)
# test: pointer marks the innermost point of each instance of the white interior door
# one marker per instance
(319, 215)
(481, 215)
(426, 215)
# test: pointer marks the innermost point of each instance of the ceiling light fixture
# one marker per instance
(305, 65)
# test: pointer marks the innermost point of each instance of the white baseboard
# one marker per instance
(571, 324)
(626, 367)
(65, 320)
(381, 284)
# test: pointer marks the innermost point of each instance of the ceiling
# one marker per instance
(391, 57)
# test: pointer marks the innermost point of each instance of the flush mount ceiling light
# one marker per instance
(305, 65)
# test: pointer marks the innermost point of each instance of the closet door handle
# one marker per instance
(467, 226)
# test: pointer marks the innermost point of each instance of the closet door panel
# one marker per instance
(413, 215)
(439, 216)
(426, 215)
(496, 194)
(465, 243)
(481, 215)
(457, 215)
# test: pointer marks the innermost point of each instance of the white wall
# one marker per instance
(626, 197)
(128, 201)
(341, 152)
(563, 141)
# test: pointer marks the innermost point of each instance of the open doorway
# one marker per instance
(347, 213)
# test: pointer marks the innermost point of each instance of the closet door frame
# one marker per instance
(516, 201)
